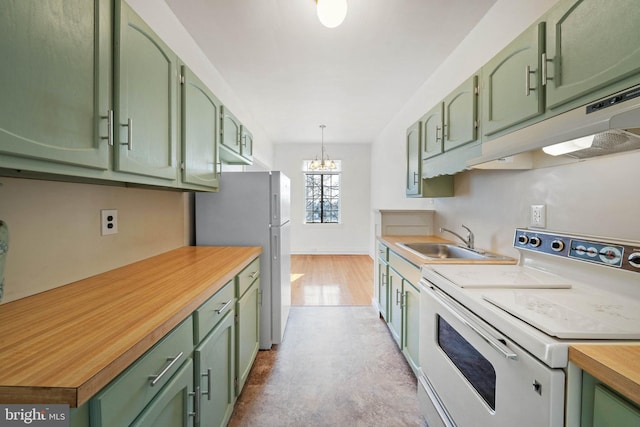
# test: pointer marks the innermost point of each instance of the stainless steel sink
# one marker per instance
(447, 251)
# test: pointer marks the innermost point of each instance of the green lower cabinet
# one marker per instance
(591, 44)
(247, 332)
(410, 334)
(395, 305)
(383, 290)
(602, 407)
(174, 405)
(215, 373)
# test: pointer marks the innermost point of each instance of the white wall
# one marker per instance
(593, 197)
(352, 235)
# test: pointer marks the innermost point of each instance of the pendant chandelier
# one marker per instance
(325, 163)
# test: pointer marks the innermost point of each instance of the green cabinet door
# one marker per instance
(246, 147)
(247, 333)
(215, 372)
(200, 130)
(432, 131)
(395, 305)
(55, 81)
(414, 162)
(383, 290)
(231, 141)
(411, 325)
(511, 83)
(590, 44)
(174, 405)
(145, 98)
(461, 115)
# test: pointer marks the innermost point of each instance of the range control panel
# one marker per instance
(609, 254)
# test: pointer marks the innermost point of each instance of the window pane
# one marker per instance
(322, 197)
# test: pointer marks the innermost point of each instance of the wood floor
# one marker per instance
(330, 280)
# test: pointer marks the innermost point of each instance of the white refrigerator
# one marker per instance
(252, 209)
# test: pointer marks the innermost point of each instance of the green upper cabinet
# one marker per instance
(461, 114)
(413, 160)
(432, 131)
(200, 131)
(511, 83)
(246, 149)
(55, 81)
(145, 98)
(591, 44)
(236, 142)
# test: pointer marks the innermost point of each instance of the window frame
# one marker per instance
(334, 172)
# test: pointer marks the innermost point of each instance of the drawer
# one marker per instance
(248, 276)
(383, 251)
(211, 312)
(120, 402)
(406, 269)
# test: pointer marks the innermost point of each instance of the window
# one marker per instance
(321, 194)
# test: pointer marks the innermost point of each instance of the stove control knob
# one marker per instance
(634, 259)
(535, 241)
(523, 239)
(557, 245)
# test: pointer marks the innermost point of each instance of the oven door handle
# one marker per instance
(494, 342)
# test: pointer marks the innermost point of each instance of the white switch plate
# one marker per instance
(538, 216)
(108, 221)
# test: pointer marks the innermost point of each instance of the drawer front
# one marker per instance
(120, 402)
(211, 312)
(409, 271)
(248, 276)
(383, 252)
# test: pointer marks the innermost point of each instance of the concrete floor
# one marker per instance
(337, 366)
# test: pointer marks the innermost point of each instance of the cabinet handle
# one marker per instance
(384, 279)
(415, 178)
(109, 136)
(208, 392)
(129, 142)
(527, 80)
(226, 304)
(244, 141)
(253, 275)
(437, 137)
(397, 296)
(172, 361)
(196, 405)
(445, 132)
(545, 75)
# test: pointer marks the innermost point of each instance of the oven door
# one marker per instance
(477, 376)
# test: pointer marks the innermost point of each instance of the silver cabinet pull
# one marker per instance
(221, 309)
(172, 361)
(544, 71)
(109, 136)
(253, 275)
(196, 405)
(415, 178)
(445, 132)
(494, 342)
(437, 137)
(527, 80)
(129, 142)
(208, 392)
(397, 296)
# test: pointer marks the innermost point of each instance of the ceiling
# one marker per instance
(292, 74)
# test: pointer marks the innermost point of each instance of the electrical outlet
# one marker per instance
(538, 216)
(108, 221)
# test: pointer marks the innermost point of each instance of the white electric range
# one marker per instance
(494, 338)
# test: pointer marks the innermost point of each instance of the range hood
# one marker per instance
(614, 121)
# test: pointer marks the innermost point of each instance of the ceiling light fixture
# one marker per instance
(569, 146)
(325, 164)
(331, 13)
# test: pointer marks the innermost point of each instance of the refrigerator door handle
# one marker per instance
(276, 210)
(275, 248)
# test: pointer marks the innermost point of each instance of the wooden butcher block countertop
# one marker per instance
(65, 344)
(618, 366)
(392, 243)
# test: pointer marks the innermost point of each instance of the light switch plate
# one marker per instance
(108, 221)
(538, 216)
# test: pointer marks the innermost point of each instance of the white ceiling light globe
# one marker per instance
(331, 13)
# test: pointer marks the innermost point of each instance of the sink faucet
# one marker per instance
(469, 241)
